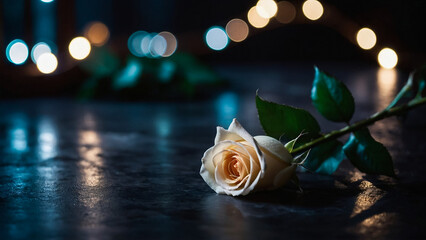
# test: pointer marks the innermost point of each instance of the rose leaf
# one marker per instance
(283, 121)
(368, 155)
(420, 81)
(332, 98)
(325, 158)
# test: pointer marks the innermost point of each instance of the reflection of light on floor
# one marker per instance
(162, 125)
(18, 137)
(18, 134)
(47, 139)
(377, 220)
(89, 120)
(376, 226)
(90, 150)
(367, 198)
(93, 190)
(386, 87)
(47, 188)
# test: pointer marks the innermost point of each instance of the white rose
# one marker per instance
(239, 163)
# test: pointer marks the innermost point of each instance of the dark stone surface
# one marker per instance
(105, 170)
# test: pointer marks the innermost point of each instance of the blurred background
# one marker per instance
(169, 49)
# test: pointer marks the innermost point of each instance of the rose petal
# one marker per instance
(236, 127)
(284, 176)
(253, 185)
(207, 171)
(274, 147)
(223, 135)
(254, 169)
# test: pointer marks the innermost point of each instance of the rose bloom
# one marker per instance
(238, 163)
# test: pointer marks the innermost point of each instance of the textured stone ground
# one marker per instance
(106, 170)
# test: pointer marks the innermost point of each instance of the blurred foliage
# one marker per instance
(178, 77)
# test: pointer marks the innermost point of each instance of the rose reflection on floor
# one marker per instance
(226, 215)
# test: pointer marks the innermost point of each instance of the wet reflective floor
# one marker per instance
(114, 170)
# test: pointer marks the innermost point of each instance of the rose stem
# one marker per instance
(363, 123)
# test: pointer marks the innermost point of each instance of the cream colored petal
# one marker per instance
(274, 166)
(207, 160)
(274, 147)
(224, 146)
(214, 158)
(253, 176)
(284, 176)
(209, 178)
(253, 185)
(241, 182)
(223, 135)
(219, 176)
(236, 127)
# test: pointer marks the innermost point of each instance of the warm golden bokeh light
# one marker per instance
(79, 48)
(366, 38)
(255, 19)
(266, 8)
(387, 58)
(171, 43)
(47, 63)
(312, 9)
(97, 33)
(286, 12)
(237, 30)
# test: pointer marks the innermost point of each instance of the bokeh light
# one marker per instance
(266, 8)
(145, 44)
(312, 9)
(97, 33)
(387, 58)
(255, 19)
(38, 50)
(135, 43)
(157, 46)
(47, 1)
(79, 48)
(17, 51)
(237, 30)
(171, 43)
(47, 63)
(366, 38)
(286, 12)
(216, 38)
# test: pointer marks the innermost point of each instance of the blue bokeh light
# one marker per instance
(158, 46)
(128, 77)
(38, 50)
(17, 51)
(226, 105)
(135, 43)
(216, 38)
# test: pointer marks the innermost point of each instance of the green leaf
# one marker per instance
(325, 158)
(285, 121)
(332, 98)
(368, 155)
(420, 81)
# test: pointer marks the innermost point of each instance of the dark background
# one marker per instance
(397, 24)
